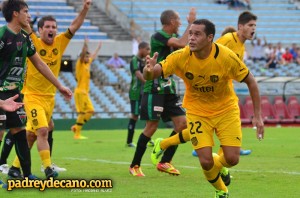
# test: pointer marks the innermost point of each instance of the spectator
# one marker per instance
(279, 49)
(293, 51)
(298, 56)
(287, 57)
(269, 50)
(116, 62)
(271, 61)
(258, 49)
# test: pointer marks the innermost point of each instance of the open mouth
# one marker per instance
(252, 34)
(50, 35)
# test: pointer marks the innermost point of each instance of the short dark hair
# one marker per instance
(228, 29)
(166, 17)
(245, 17)
(209, 26)
(143, 45)
(9, 6)
(43, 19)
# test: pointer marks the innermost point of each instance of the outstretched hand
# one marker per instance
(192, 16)
(10, 105)
(87, 4)
(150, 63)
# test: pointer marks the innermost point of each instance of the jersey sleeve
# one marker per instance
(65, 39)
(133, 65)
(170, 63)
(239, 70)
(31, 48)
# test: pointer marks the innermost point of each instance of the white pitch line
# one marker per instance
(189, 167)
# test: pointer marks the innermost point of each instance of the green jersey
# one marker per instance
(14, 48)
(158, 44)
(135, 91)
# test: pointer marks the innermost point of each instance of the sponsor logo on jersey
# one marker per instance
(55, 51)
(214, 78)
(43, 52)
(189, 75)
(204, 89)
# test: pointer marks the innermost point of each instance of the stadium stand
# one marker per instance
(64, 15)
(278, 20)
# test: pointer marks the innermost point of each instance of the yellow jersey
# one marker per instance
(82, 73)
(232, 41)
(208, 82)
(35, 82)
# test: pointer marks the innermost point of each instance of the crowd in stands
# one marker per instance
(275, 55)
(236, 4)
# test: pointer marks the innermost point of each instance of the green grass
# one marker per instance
(272, 170)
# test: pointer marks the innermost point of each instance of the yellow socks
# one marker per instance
(45, 157)
(174, 140)
(16, 162)
(213, 175)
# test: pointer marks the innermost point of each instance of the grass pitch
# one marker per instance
(272, 170)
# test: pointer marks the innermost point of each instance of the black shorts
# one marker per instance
(12, 119)
(135, 107)
(156, 106)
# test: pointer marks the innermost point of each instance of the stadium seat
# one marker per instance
(292, 99)
(244, 119)
(282, 111)
(248, 108)
(268, 112)
(294, 109)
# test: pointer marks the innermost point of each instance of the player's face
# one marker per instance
(145, 51)
(176, 23)
(48, 32)
(198, 40)
(248, 30)
(86, 58)
(23, 17)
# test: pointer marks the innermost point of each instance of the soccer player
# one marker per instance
(159, 99)
(137, 65)
(234, 40)
(83, 103)
(15, 46)
(207, 69)
(39, 93)
(9, 105)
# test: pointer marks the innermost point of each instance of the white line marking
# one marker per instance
(189, 167)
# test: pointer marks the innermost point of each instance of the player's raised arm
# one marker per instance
(183, 40)
(94, 55)
(78, 21)
(152, 70)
